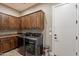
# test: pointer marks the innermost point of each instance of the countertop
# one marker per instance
(8, 35)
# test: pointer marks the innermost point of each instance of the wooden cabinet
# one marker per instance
(14, 23)
(5, 22)
(14, 42)
(37, 20)
(23, 23)
(33, 21)
(40, 20)
(8, 22)
(8, 43)
(26, 22)
(5, 44)
(0, 21)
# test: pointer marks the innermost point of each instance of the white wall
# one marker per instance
(9, 11)
(47, 9)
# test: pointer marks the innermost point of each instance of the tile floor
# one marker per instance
(11, 53)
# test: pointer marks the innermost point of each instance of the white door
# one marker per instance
(78, 28)
(64, 30)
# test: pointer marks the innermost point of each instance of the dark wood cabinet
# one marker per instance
(14, 23)
(5, 44)
(33, 21)
(37, 20)
(40, 20)
(23, 23)
(5, 22)
(8, 43)
(8, 22)
(0, 21)
(26, 22)
(14, 42)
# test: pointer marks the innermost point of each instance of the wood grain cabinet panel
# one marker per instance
(5, 45)
(8, 22)
(14, 42)
(0, 21)
(28, 22)
(40, 20)
(8, 43)
(33, 21)
(14, 23)
(5, 22)
(23, 23)
(37, 20)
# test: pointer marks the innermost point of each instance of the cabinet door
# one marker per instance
(0, 21)
(28, 22)
(23, 23)
(5, 22)
(37, 20)
(14, 23)
(34, 20)
(14, 42)
(0, 45)
(64, 29)
(40, 20)
(5, 44)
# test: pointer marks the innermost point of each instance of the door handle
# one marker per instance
(55, 37)
(55, 34)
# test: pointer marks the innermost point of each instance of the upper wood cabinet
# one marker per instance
(14, 23)
(0, 21)
(8, 22)
(33, 21)
(37, 20)
(23, 22)
(5, 22)
(26, 22)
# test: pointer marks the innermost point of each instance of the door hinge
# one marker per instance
(76, 6)
(76, 37)
(76, 53)
(76, 21)
(54, 54)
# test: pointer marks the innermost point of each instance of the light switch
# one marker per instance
(50, 33)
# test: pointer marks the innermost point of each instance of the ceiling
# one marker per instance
(19, 6)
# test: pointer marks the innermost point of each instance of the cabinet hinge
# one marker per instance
(76, 21)
(76, 53)
(76, 6)
(76, 37)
